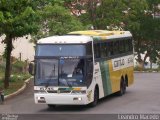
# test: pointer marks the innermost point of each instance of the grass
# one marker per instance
(16, 79)
(13, 87)
(1, 74)
(16, 82)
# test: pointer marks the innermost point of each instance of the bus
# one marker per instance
(82, 67)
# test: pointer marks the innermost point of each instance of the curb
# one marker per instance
(19, 90)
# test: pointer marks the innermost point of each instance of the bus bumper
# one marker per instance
(61, 99)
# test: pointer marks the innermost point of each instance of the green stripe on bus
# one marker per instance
(105, 77)
(96, 38)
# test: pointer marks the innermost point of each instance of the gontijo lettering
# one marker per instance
(123, 62)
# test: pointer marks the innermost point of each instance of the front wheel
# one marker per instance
(96, 97)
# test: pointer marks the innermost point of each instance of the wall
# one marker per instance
(21, 45)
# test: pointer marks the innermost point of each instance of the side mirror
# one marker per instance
(31, 68)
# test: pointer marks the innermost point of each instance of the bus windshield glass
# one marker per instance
(60, 72)
(46, 72)
(60, 50)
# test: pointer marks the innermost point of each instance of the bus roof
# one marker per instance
(84, 37)
(65, 39)
(103, 34)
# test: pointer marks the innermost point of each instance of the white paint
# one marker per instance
(98, 78)
(65, 39)
(62, 99)
(124, 35)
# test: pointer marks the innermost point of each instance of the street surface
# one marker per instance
(142, 97)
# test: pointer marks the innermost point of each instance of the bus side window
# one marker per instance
(110, 48)
(116, 47)
(89, 73)
(89, 49)
(126, 46)
(130, 45)
(121, 46)
(97, 50)
(107, 50)
(103, 50)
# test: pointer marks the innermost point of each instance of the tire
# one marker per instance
(96, 97)
(122, 88)
(51, 106)
(125, 86)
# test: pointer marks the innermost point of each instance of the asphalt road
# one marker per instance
(142, 97)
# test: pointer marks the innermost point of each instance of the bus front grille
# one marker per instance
(58, 91)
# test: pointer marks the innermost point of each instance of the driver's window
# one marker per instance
(79, 70)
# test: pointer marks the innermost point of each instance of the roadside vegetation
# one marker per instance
(42, 18)
(137, 68)
(18, 75)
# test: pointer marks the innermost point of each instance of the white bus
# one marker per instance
(82, 67)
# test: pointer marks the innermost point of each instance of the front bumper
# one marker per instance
(61, 99)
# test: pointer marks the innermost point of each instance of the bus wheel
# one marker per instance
(96, 97)
(51, 106)
(122, 88)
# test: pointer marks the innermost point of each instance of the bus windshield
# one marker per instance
(60, 72)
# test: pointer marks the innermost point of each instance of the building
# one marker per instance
(22, 48)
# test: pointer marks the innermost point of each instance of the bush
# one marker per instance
(17, 77)
(1, 82)
(146, 69)
(136, 68)
(26, 76)
(18, 67)
(22, 76)
(13, 78)
(18, 64)
(2, 66)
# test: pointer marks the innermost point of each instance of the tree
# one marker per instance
(145, 29)
(104, 14)
(110, 14)
(56, 20)
(17, 18)
(85, 10)
(133, 22)
(75, 6)
(136, 16)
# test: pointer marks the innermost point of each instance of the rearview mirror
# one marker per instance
(31, 68)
